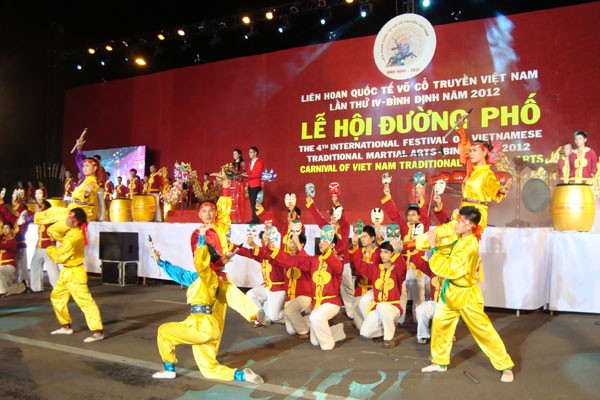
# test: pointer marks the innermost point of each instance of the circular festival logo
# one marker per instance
(404, 46)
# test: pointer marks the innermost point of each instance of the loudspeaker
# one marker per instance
(119, 273)
(119, 246)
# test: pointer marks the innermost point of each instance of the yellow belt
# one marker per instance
(318, 300)
(375, 303)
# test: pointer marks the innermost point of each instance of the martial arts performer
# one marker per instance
(461, 297)
(200, 329)
(73, 278)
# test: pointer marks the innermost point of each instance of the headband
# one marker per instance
(207, 204)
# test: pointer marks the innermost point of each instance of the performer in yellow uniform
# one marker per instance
(73, 278)
(461, 297)
(85, 197)
(200, 329)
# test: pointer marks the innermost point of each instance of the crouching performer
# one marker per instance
(200, 329)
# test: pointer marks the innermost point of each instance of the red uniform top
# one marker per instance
(297, 282)
(273, 276)
(8, 250)
(109, 189)
(326, 274)
(155, 183)
(363, 283)
(44, 192)
(101, 176)
(255, 171)
(407, 233)
(342, 230)
(387, 282)
(30, 196)
(583, 166)
(69, 184)
(43, 239)
(121, 191)
(134, 186)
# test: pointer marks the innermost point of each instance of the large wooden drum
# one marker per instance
(120, 210)
(573, 208)
(57, 202)
(143, 208)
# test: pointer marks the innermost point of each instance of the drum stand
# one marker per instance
(518, 222)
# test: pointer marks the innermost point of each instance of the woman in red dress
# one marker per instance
(237, 187)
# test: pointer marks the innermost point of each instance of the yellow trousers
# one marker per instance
(73, 282)
(480, 326)
(204, 331)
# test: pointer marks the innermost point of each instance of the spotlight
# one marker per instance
(160, 36)
(456, 15)
(294, 9)
(349, 1)
(426, 3)
(323, 21)
(222, 24)
(269, 15)
(91, 50)
(285, 24)
(331, 35)
(102, 63)
(246, 19)
(79, 67)
(322, 3)
(108, 47)
(250, 33)
(125, 44)
(140, 61)
(365, 9)
(180, 32)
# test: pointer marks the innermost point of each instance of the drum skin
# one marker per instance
(120, 210)
(143, 208)
(573, 208)
(535, 195)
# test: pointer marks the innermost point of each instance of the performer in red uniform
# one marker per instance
(583, 161)
(121, 190)
(254, 172)
(388, 278)
(43, 189)
(41, 259)
(564, 165)
(69, 185)
(155, 186)
(109, 188)
(8, 252)
(134, 184)
(326, 271)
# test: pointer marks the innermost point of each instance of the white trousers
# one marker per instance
(7, 277)
(158, 215)
(381, 321)
(321, 334)
(295, 322)
(270, 302)
(36, 270)
(101, 205)
(361, 305)
(347, 290)
(415, 288)
(21, 263)
(424, 314)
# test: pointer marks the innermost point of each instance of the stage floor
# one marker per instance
(557, 356)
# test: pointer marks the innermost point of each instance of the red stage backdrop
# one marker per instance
(326, 113)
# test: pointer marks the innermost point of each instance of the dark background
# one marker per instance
(41, 44)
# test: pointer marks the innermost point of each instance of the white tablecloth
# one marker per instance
(574, 272)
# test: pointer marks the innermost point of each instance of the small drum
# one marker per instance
(143, 208)
(573, 207)
(120, 210)
(535, 195)
(503, 177)
(57, 202)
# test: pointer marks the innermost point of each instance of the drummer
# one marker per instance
(564, 168)
(583, 161)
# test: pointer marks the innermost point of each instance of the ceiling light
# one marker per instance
(246, 19)
(180, 32)
(91, 50)
(108, 47)
(140, 61)
(269, 15)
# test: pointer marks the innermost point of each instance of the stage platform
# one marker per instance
(524, 268)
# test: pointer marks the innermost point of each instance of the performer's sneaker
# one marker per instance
(164, 375)
(94, 338)
(423, 341)
(251, 377)
(507, 376)
(62, 331)
(434, 368)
